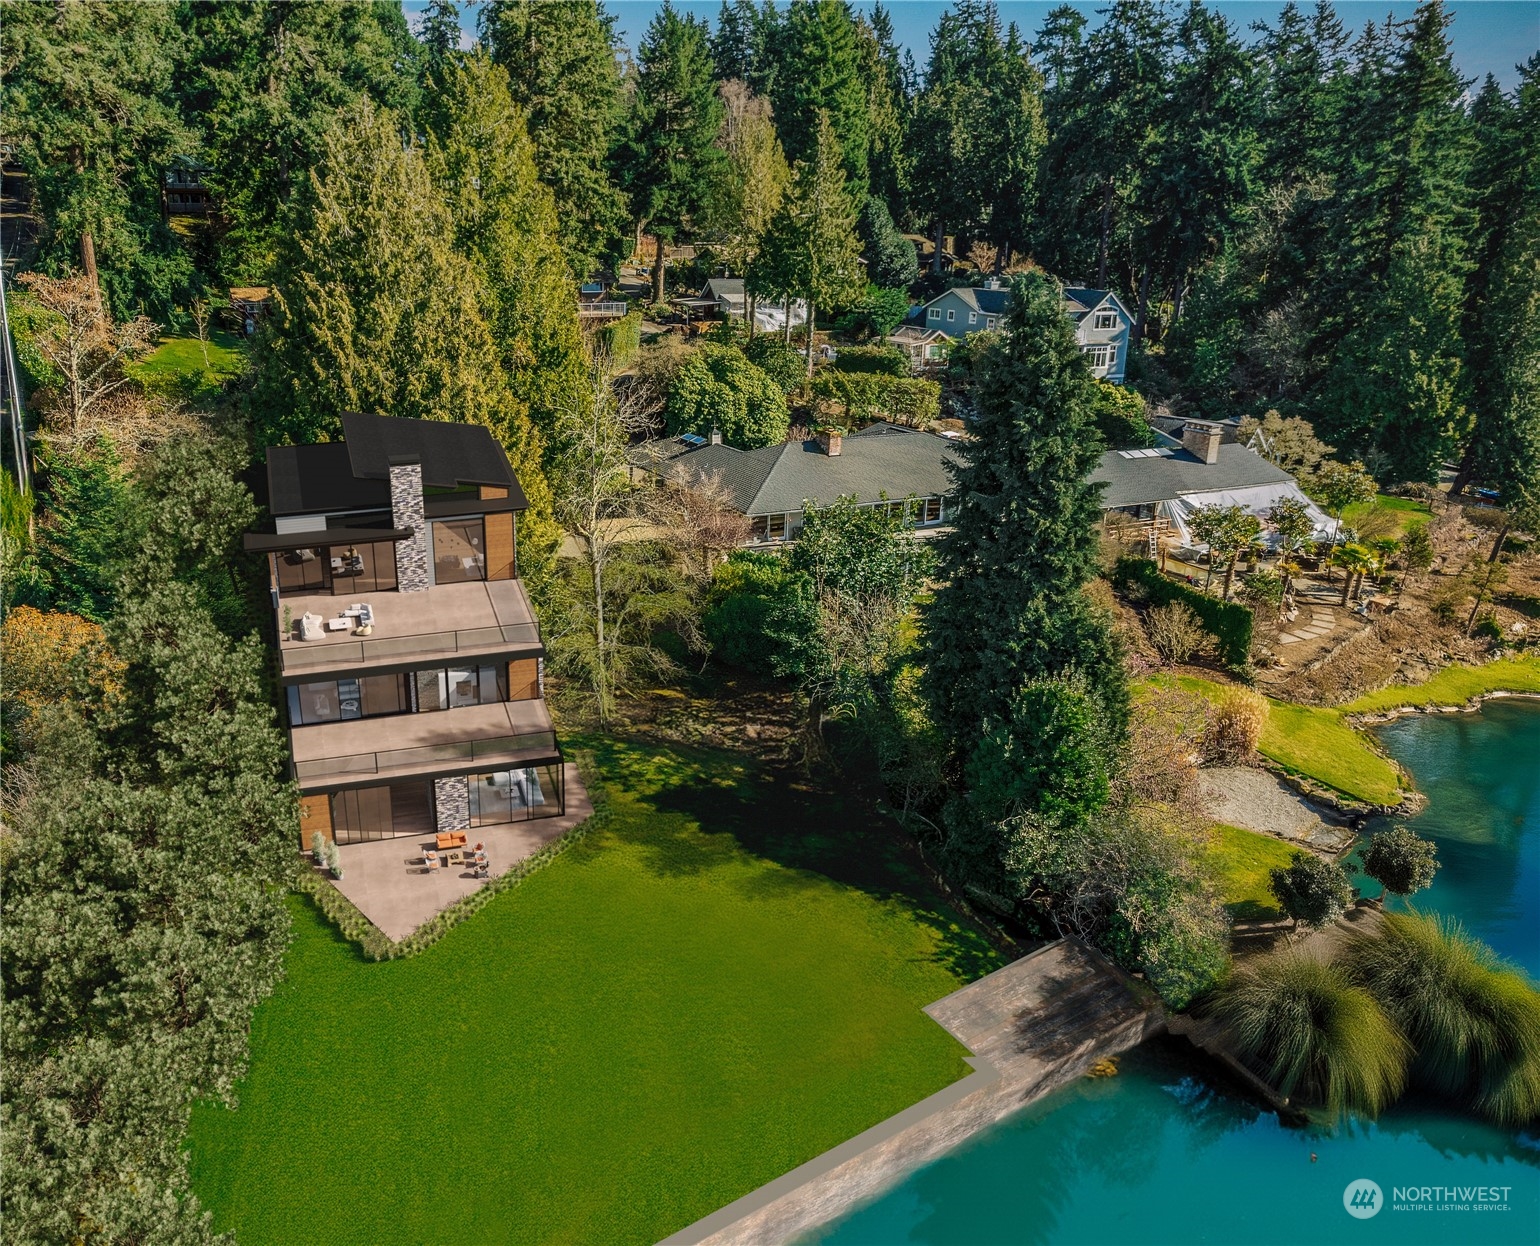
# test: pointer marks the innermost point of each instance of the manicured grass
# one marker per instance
(177, 363)
(1316, 743)
(1454, 685)
(722, 981)
(1406, 513)
(1243, 860)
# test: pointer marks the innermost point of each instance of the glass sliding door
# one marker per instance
(459, 551)
(390, 811)
(516, 795)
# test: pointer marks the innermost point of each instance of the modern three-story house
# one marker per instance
(410, 660)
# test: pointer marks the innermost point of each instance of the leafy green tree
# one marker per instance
(891, 260)
(876, 313)
(820, 72)
(1227, 531)
(86, 96)
(718, 389)
(1340, 485)
(1121, 417)
(779, 362)
(375, 311)
(1023, 543)
(563, 73)
(1400, 861)
(505, 221)
(758, 613)
(671, 160)
(86, 507)
(810, 248)
(755, 182)
(1312, 891)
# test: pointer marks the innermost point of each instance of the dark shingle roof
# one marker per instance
(355, 473)
(1135, 481)
(778, 479)
(1078, 300)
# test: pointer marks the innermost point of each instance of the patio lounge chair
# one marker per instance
(311, 626)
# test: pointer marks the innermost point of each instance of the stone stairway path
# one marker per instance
(1322, 622)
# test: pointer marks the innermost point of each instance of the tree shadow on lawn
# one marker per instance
(815, 829)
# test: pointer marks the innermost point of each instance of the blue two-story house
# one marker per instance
(1102, 323)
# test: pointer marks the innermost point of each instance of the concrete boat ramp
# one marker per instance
(1033, 1026)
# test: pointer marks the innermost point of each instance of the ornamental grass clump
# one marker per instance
(1314, 1033)
(1474, 1021)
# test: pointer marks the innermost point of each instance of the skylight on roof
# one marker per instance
(692, 439)
(1160, 453)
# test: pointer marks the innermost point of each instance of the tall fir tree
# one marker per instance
(820, 70)
(375, 311)
(265, 82)
(672, 163)
(563, 72)
(811, 249)
(734, 42)
(1023, 544)
(1503, 303)
(505, 221)
(1391, 318)
(87, 96)
(890, 107)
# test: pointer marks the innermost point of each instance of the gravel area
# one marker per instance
(1260, 801)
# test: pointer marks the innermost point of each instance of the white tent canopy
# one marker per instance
(1256, 499)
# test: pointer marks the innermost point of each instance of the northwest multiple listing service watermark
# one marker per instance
(1364, 1199)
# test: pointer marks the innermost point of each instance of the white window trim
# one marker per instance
(990, 323)
(951, 313)
(1110, 317)
(973, 317)
(933, 313)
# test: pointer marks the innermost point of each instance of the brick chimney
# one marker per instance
(1202, 438)
(406, 511)
(829, 441)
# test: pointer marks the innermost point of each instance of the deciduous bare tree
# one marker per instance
(96, 394)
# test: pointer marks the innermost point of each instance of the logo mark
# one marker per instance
(1362, 1199)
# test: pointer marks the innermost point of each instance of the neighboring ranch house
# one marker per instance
(883, 465)
(725, 298)
(1158, 489)
(1102, 323)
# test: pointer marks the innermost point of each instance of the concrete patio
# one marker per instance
(389, 884)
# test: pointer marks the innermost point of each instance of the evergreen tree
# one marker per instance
(1503, 308)
(439, 36)
(811, 249)
(505, 221)
(375, 311)
(1391, 320)
(672, 162)
(1065, 184)
(820, 70)
(1302, 64)
(733, 43)
(86, 96)
(1023, 543)
(755, 181)
(563, 73)
(891, 260)
(266, 81)
(890, 108)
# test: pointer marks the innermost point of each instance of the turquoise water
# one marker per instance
(1167, 1152)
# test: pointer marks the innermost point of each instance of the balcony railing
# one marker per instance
(459, 752)
(358, 652)
(603, 309)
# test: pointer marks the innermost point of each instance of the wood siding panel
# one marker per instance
(315, 815)
(500, 563)
(524, 680)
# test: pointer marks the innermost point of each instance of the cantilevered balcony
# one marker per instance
(460, 741)
(460, 621)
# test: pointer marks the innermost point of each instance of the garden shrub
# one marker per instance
(622, 339)
(717, 387)
(1174, 629)
(1228, 623)
(779, 362)
(888, 360)
(913, 401)
(754, 599)
(1236, 727)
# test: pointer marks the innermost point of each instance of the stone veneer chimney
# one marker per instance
(406, 511)
(830, 441)
(1202, 438)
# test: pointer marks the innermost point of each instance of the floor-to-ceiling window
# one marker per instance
(459, 550)
(516, 795)
(336, 700)
(389, 811)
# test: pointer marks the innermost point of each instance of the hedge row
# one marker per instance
(1228, 623)
(376, 945)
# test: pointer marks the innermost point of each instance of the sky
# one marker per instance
(1488, 36)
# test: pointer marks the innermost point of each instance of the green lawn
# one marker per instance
(1243, 860)
(723, 982)
(1455, 685)
(1316, 743)
(1403, 513)
(177, 362)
